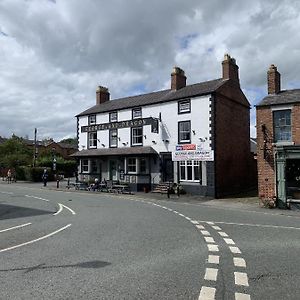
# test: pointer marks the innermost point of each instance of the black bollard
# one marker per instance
(57, 183)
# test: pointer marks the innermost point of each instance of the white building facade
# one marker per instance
(144, 140)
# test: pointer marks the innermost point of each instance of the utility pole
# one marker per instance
(35, 148)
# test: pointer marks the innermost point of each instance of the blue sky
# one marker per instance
(54, 54)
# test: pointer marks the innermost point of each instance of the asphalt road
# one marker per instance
(84, 245)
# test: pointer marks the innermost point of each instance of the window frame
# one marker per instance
(278, 130)
(112, 114)
(190, 164)
(82, 165)
(139, 109)
(131, 164)
(93, 139)
(92, 117)
(132, 136)
(180, 141)
(183, 102)
(111, 138)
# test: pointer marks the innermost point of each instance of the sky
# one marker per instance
(54, 53)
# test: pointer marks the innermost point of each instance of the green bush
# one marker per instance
(33, 174)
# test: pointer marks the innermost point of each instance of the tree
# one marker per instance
(71, 141)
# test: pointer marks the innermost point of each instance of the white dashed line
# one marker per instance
(209, 239)
(30, 196)
(216, 227)
(240, 296)
(239, 262)
(194, 222)
(213, 248)
(15, 227)
(7, 193)
(235, 250)
(221, 233)
(188, 218)
(211, 274)
(241, 279)
(213, 259)
(207, 293)
(229, 241)
(200, 226)
(210, 223)
(204, 232)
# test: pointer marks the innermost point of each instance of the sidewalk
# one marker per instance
(248, 202)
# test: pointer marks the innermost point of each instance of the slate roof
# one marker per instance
(114, 151)
(193, 90)
(283, 97)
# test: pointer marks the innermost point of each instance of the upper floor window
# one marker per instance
(282, 125)
(184, 132)
(92, 139)
(92, 119)
(113, 138)
(184, 106)
(136, 113)
(137, 136)
(113, 116)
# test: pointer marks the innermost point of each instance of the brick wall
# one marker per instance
(265, 154)
(234, 163)
(296, 124)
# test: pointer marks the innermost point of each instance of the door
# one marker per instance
(167, 168)
(113, 170)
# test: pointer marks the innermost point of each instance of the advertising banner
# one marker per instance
(192, 152)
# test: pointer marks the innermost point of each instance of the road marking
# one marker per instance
(30, 196)
(209, 239)
(229, 241)
(200, 226)
(59, 210)
(181, 215)
(36, 240)
(188, 218)
(204, 232)
(211, 274)
(239, 262)
(207, 293)
(71, 210)
(210, 223)
(240, 296)
(7, 193)
(235, 250)
(241, 278)
(15, 227)
(221, 233)
(216, 227)
(213, 259)
(213, 248)
(195, 222)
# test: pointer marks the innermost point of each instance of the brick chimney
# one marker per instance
(230, 69)
(273, 80)
(102, 95)
(178, 79)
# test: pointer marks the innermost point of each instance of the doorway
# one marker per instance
(113, 170)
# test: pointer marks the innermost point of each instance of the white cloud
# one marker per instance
(53, 54)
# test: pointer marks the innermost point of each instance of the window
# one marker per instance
(282, 125)
(92, 142)
(113, 138)
(84, 165)
(137, 136)
(143, 165)
(92, 119)
(184, 132)
(184, 106)
(113, 116)
(94, 168)
(137, 113)
(131, 166)
(190, 170)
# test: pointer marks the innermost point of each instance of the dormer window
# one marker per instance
(92, 119)
(137, 113)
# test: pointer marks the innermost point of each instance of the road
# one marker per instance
(84, 245)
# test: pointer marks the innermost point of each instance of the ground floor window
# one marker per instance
(132, 165)
(137, 165)
(190, 170)
(84, 165)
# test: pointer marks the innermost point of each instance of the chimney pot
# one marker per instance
(273, 80)
(178, 79)
(102, 95)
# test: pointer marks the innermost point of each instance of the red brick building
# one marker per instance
(278, 143)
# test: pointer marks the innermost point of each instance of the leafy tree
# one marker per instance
(71, 141)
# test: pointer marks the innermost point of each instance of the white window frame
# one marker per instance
(113, 137)
(113, 116)
(84, 167)
(281, 128)
(134, 137)
(92, 119)
(184, 106)
(190, 164)
(180, 140)
(92, 140)
(132, 162)
(137, 113)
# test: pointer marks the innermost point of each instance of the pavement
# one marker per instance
(248, 201)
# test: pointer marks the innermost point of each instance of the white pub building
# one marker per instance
(195, 135)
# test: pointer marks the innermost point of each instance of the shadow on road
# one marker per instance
(11, 212)
(96, 264)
